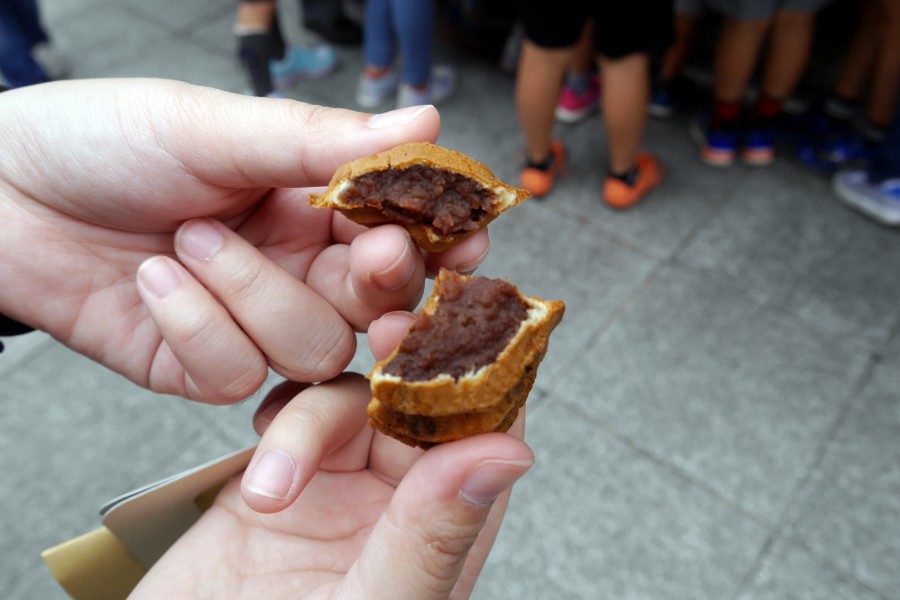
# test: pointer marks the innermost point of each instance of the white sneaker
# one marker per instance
(372, 92)
(879, 201)
(441, 84)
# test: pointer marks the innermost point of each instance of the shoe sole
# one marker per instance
(762, 158)
(714, 158)
(568, 116)
(851, 198)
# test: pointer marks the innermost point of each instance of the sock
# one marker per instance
(725, 114)
(256, 50)
(545, 164)
(629, 176)
(578, 82)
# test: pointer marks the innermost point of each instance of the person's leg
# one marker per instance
(627, 34)
(886, 160)
(551, 33)
(259, 42)
(16, 61)
(850, 85)
(379, 80)
(886, 80)
(327, 18)
(625, 94)
(32, 28)
(413, 22)
(540, 75)
(579, 96)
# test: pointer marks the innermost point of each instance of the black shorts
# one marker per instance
(621, 27)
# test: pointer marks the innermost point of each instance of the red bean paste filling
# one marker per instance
(473, 323)
(449, 202)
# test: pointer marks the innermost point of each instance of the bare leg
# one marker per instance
(675, 57)
(792, 36)
(583, 57)
(737, 52)
(256, 16)
(626, 88)
(854, 75)
(540, 75)
(887, 68)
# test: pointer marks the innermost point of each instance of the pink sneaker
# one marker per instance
(573, 107)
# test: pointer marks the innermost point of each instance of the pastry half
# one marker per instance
(440, 196)
(467, 363)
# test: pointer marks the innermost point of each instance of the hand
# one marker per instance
(203, 194)
(375, 519)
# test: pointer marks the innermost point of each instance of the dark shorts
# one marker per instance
(621, 27)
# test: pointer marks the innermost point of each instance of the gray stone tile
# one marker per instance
(178, 15)
(105, 36)
(595, 519)
(787, 242)
(700, 376)
(849, 510)
(77, 435)
(22, 348)
(790, 572)
(556, 257)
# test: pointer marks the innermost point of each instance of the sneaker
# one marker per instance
(718, 146)
(879, 201)
(302, 63)
(620, 195)
(573, 107)
(662, 101)
(371, 92)
(539, 181)
(440, 85)
(830, 152)
(758, 148)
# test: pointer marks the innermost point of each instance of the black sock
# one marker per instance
(544, 165)
(628, 176)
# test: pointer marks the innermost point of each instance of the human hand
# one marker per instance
(203, 194)
(376, 519)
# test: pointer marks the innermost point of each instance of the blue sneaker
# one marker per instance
(878, 201)
(718, 146)
(758, 148)
(662, 101)
(831, 152)
(302, 63)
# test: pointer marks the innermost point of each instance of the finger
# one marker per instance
(277, 398)
(318, 422)
(240, 142)
(221, 364)
(419, 546)
(386, 333)
(302, 335)
(462, 258)
(381, 270)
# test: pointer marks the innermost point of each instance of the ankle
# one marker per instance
(627, 176)
(372, 72)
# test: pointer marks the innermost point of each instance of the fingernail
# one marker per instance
(159, 276)
(490, 479)
(399, 273)
(396, 118)
(201, 240)
(272, 476)
(467, 268)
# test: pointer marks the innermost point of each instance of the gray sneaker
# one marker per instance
(371, 93)
(879, 201)
(441, 85)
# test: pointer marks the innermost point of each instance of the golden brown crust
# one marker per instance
(404, 156)
(443, 409)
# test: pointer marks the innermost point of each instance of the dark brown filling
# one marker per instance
(474, 321)
(448, 202)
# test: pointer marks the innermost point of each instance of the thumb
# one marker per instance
(419, 546)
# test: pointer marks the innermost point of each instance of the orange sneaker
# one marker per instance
(540, 182)
(620, 195)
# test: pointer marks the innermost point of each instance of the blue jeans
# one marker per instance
(408, 23)
(20, 32)
(886, 162)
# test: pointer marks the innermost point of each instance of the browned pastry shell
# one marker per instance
(402, 157)
(441, 409)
